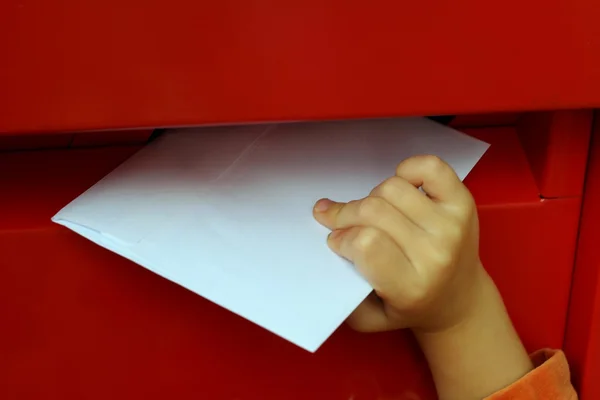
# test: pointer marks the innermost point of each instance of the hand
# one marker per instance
(418, 249)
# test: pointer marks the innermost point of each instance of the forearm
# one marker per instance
(479, 356)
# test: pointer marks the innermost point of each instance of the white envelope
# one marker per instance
(227, 212)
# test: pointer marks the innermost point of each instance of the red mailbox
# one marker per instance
(81, 322)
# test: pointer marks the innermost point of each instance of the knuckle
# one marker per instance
(391, 188)
(441, 259)
(370, 207)
(405, 164)
(453, 233)
(437, 253)
(434, 164)
(365, 240)
(465, 208)
(470, 207)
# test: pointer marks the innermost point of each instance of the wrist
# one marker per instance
(464, 301)
(478, 355)
(480, 304)
(475, 298)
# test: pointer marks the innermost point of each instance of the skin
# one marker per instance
(419, 249)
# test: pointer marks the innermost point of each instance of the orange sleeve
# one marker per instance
(550, 380)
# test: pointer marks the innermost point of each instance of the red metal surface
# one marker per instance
(517, 229)
(81, 322)
(78, 65)
(583, 334)
(556, 144)
(36, 184)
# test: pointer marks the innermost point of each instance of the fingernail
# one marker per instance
(336, 234)
(323, 205)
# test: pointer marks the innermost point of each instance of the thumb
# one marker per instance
(371, 316)
(327, 212)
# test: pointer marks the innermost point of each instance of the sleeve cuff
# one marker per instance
(550, 380)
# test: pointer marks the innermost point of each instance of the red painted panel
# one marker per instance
(583, 333)
(36, 184)
(81, 322)
(70, 65)
(557, 145)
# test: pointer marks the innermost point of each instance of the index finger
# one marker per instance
(370, 211)
(434, 175)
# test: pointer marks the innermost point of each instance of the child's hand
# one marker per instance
(419, 251)
(420, 254)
